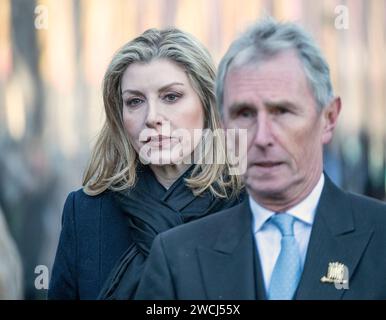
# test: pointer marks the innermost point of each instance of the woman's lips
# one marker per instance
(158, 138)
(159, 141)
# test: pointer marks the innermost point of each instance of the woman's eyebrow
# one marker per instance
(136, 92)
(163, 88)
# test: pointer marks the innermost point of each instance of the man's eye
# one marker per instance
(246, 113)
(133, 102)
(279, 110)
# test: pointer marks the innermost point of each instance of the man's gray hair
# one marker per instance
(269, 37)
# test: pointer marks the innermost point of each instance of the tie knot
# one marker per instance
(285, 223)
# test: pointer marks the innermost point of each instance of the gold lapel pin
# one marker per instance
(337, 273)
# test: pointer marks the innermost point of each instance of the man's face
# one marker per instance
(274, 102)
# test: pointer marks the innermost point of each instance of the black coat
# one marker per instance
(98, 230)
(94, 235)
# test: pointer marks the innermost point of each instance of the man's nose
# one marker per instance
(263, 134)
(154, 117)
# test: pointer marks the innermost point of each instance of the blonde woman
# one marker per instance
(138, 182)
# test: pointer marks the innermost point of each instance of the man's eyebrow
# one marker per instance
(241, 105)
(281, 103)
(163, 88)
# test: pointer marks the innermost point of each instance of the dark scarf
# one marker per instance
(152, 209)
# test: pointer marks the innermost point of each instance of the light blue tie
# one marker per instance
(286, 273)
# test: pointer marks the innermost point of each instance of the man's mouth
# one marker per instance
(268, 164)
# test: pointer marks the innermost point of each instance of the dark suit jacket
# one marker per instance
(216, 257)
(94, 236)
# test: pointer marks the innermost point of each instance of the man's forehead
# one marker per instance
(280, 60)
(283, 69)
(275, 80)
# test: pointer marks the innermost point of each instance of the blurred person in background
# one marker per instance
(28, 195)
(11, 274)
(161, 78)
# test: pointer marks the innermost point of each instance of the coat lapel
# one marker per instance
(228, 268)
(333, 239)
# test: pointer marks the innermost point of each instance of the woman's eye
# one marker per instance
(133, 102)
(171, 97)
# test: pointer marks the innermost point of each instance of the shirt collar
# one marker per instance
(304, 211)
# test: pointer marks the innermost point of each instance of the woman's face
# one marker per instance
(160, 111)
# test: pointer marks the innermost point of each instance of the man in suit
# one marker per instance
(297, 235)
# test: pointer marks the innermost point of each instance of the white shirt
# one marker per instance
(268, 237)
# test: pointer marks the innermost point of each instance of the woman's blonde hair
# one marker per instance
(113, 161)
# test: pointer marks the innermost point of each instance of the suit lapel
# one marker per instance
(259, 280)
(333, 239)
(228, 268)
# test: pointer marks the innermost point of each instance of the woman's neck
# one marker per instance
(168, 174)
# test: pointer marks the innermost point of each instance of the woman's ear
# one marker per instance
(330, 119)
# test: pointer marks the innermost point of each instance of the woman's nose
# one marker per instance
(154, 117)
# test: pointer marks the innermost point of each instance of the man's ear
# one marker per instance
(330, 118)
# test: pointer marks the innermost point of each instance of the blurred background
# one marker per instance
(53, 55)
